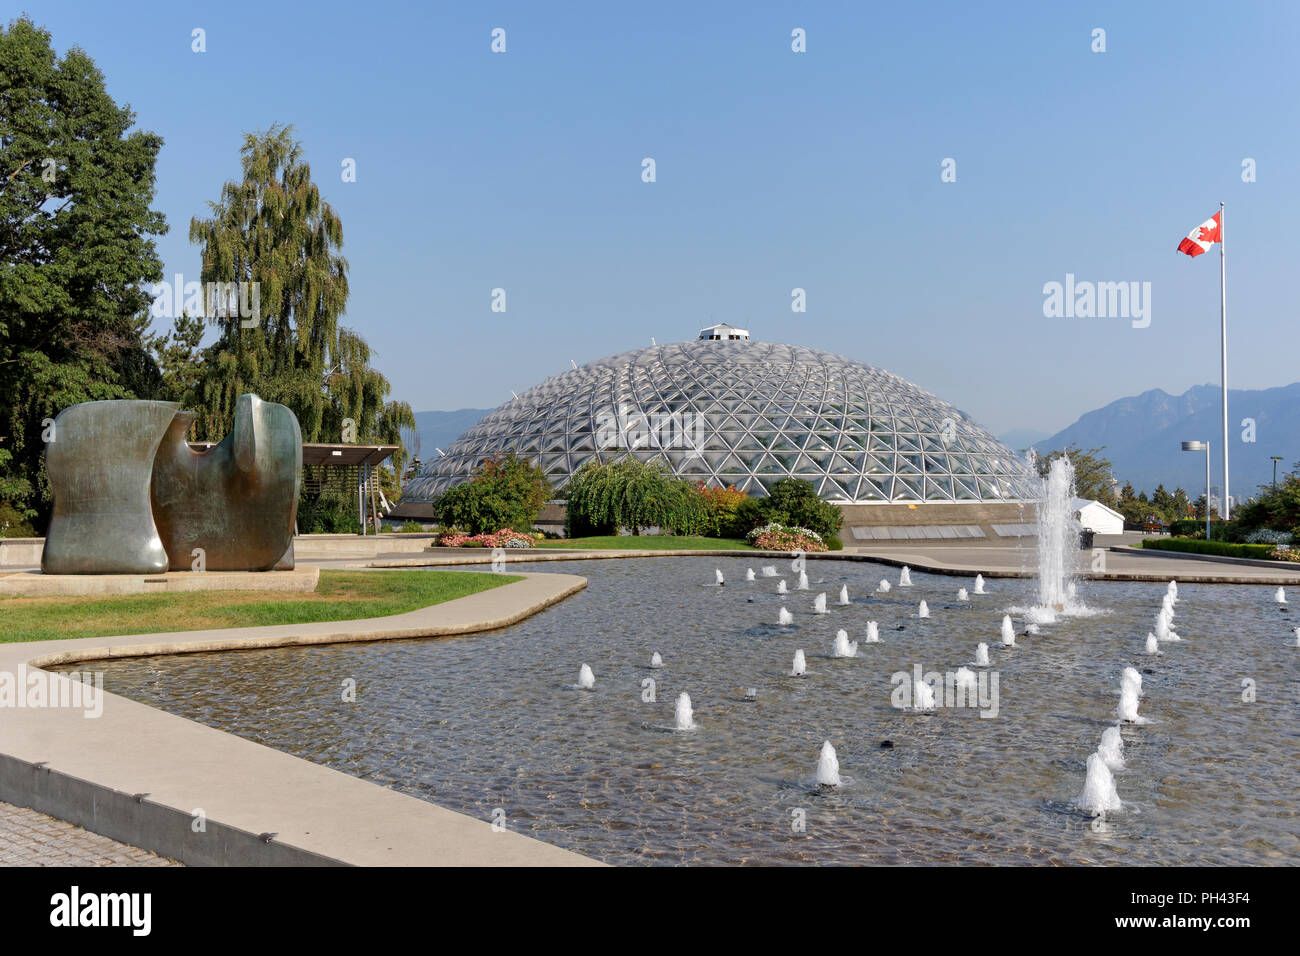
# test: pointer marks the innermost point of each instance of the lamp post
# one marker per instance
(1275, 459)
(1205, 447)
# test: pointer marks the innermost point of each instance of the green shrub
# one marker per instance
(13, 524)
(794, 502)
(328, 514)
(505, 492)
(833, 543)
(411, 527)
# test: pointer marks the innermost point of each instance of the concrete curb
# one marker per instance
(139, 775)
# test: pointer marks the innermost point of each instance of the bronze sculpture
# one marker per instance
(131, 496)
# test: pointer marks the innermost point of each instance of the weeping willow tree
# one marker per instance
(633, 494)
(271, 250)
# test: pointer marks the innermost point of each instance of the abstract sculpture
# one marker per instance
(132, 497)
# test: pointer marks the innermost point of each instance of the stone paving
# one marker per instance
(28, 838)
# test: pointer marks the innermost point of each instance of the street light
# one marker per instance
(1276, 459)
(1205, 447)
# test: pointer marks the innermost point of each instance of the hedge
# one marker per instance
(1220, 548)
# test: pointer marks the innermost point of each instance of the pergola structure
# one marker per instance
(319, 461)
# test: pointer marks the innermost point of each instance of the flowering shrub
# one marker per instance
(505, 538)
(777, 537)
(1284, 553)
(1269, 536)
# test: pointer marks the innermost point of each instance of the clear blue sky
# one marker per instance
(775, 170)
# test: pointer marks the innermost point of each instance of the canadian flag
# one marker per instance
(1203, 236)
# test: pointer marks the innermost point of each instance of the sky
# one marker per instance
(774, 170)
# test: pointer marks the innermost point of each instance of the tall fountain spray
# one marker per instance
(785, 618)
(843, 647)
(800, 667)
(981, 655)
(819, 604)
(979, 584)
(844, 594)
(781, 588)
(656, 660)
(586, 679)
(749, 574)
(873, 632)
(905, 577)
(1058, 537)
(962, 595)
(803, 581)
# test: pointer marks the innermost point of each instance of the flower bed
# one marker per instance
(505, 538)
(777, 537)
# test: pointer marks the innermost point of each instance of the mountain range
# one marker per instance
(1142, 436)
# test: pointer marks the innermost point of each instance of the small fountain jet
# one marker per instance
(828, 767)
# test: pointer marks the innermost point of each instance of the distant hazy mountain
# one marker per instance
(440, 429)
(1021, 438)
(1142, 435)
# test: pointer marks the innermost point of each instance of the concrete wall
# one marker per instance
(980, 513)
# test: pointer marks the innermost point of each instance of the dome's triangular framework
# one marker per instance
(765, 412)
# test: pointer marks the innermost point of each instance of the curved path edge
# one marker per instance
(205, 797)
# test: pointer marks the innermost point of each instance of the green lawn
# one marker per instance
(340, 596)
(647, 542)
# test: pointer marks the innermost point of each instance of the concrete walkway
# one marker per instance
(201, 796)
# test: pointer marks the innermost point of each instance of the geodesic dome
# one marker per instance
(746, 413)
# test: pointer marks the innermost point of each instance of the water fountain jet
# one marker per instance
(1099, 795)
(1112, 748)
(683, 715)
(843, 646)
(828, 767)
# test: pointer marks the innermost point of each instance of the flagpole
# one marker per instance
(1223, 331)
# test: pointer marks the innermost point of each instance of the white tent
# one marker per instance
(1096, 517)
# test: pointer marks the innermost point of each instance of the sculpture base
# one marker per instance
(36, 584)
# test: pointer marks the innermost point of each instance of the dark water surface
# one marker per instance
(494, 720)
